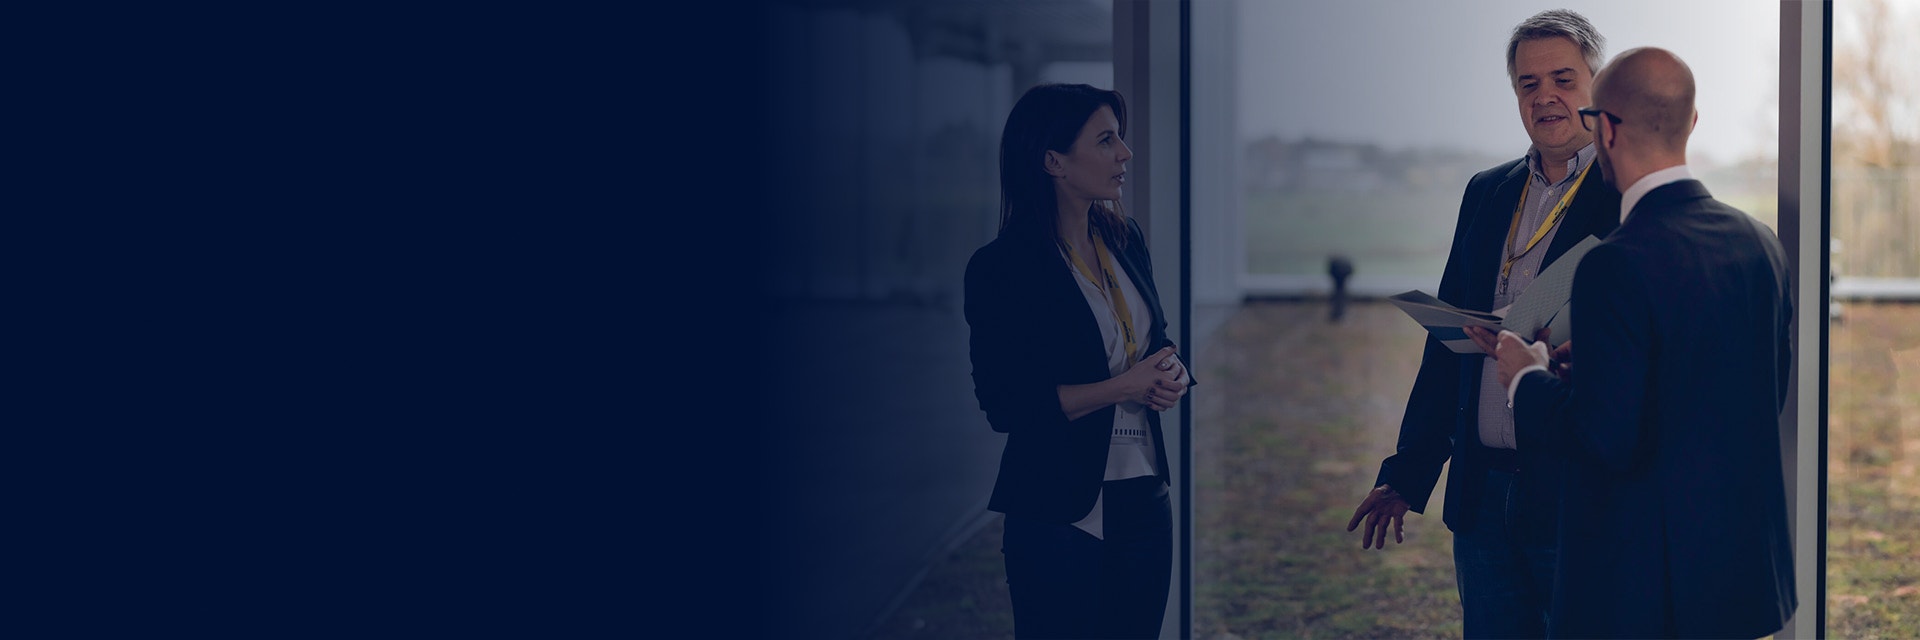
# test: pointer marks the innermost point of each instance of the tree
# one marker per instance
(1876, 154)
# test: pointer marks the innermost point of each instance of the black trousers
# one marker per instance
(1065, 583)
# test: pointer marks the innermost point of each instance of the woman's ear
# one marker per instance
(1054, 164)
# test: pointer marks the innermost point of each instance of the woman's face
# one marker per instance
(1095, 167)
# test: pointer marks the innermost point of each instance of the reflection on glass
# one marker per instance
(886, 123)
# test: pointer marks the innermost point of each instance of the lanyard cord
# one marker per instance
(1553, 217)
(1117, 299)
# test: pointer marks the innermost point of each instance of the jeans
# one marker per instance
(1505, 581)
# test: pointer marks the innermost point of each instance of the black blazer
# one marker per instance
(1442, 419)
(1031, 331)
(1675, 517)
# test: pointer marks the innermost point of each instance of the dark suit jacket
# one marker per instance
(1675, 512)
(1442, 419)
(1031, 331)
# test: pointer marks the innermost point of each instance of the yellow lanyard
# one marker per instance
(1117, 299)
(1552, 217)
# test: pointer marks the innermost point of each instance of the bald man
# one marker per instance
(1674, 518)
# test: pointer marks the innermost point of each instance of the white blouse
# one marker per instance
(1130, 452)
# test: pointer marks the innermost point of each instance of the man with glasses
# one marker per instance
(1515, 220)
(1670, 432)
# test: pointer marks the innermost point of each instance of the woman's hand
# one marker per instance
(1154, 381)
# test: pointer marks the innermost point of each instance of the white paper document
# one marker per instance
(1545, 303)
(1445, 321)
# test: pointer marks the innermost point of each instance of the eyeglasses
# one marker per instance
(1590, 118)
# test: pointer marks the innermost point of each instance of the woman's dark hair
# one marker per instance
(1048, 118)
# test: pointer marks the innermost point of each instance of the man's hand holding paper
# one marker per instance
(1520, 354)
(1541, 311)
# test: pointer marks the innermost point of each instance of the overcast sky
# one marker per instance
(1426, 73)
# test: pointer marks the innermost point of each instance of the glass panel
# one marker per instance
(1873, 437)
(888, 115)
(1355, 128)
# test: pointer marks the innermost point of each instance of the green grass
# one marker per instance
(1399, 232)
(1303, 412)
(1873, 495)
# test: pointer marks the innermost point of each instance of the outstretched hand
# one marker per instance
(1381, 505)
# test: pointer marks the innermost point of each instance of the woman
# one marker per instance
(1071, 360)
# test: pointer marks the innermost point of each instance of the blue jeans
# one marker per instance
(1506, 582)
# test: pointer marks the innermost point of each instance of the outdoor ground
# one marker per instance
(1293, 421)
(1873, 496)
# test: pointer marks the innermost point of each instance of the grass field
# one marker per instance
(1292, 428)
(1383, 233)
(1289, 443)
(1389, 232)
(1873, 496)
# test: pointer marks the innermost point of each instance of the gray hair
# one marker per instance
(1559, 23)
